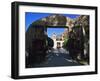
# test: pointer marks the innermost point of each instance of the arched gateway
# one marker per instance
(38, 29)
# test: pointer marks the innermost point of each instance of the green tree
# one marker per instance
(50, 42)
(65, 43)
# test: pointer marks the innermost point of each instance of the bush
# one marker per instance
(65, 43)
(50, 42)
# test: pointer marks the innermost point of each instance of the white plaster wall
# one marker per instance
(55, 43)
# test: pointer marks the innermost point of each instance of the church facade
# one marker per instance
(58, 40)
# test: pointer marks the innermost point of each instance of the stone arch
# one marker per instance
(52, 20)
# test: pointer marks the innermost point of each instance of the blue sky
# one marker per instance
(31, 17)
(58, 31)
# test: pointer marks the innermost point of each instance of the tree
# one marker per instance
(50, 42)
(65, 43)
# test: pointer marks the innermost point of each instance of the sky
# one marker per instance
(31, 17)
(58, 31)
